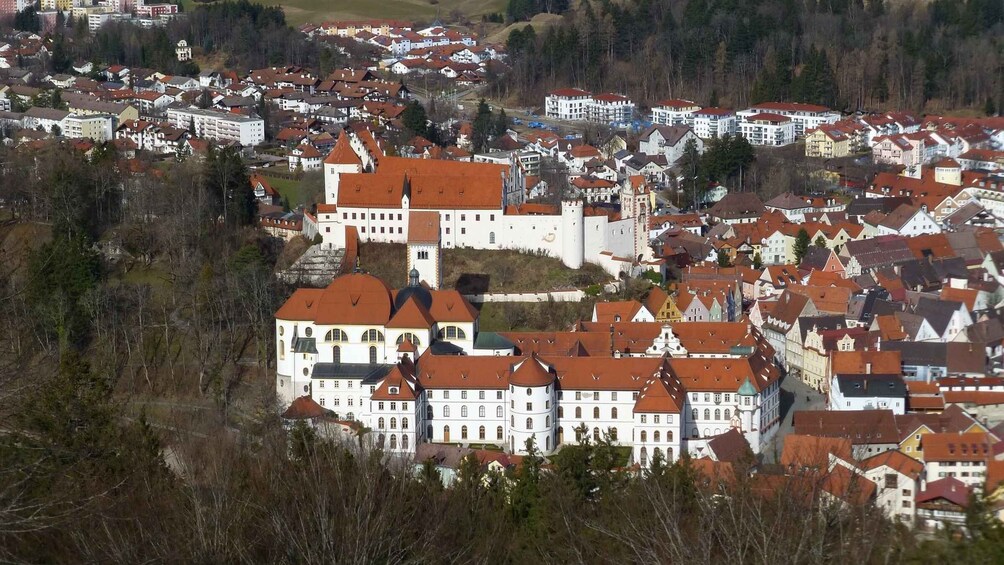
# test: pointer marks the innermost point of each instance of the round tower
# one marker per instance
(531, 391)
(573, 231)
(748, 411)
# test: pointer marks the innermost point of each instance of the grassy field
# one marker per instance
(317, 11)
(473, 270)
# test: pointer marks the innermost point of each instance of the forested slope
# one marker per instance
(850, 54)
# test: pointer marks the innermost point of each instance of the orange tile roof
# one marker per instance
(956, 447)
(411, 315)
(890, 329)
(531, 373)
(813, 452)
(423, 227)
(856, 362)
(966, 296)
(455, 371)
(849, 487)
(660, 397)
(897, 460)
(826, 299)
(451, 306)
(342, 153)
(620, 311)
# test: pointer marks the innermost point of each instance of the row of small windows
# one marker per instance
(373, 216)
(578, 412)
(452, 332)
(529, 422)
(463, 395)
(463, 412)
(381, 440)
(707, 414)
(499, 433)
(656, 437)
(393, 423)
(657, 451)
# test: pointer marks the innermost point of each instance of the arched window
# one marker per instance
(371, 336)
(656, 451)
(463, 432)
(380, 423)
(404, 441)
(718, 414)
(547, 443)
(446, 411)
(380, 441)
(373, 355)
(529, 423)
(655, 437)
(561, 412)
(644, 457)
(463, 411)
(410, 337)
(336, 335)
(669, 435)
(596, 413)
(596, 434)
(481, 411)
(578, 411)
(404, 423)
(452, 332)
(728, 414)
(491, 237)
(707, 413)
(428, 432)
(547, 421)
(282, 350)
(428, 412)
(393, 423)
(669, 455)
(613, 413)
(481, 432)
(693, 414)
(498, 432)
(512, 421)
(446, 433)
(393, 441)
(644, 436)
(336, 354)
(498, 411)
(578, 435)
(613, 434)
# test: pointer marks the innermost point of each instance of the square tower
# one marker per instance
(425, 247)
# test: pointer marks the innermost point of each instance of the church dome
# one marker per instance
(421, 294)
(355, 299)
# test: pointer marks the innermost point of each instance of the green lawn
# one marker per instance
(288, 188)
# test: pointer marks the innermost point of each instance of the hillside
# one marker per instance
(316, 11)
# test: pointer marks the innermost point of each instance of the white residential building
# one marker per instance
(567, 104)
(804, 117)
(773, 130)
(710, 123)
(219, 126)
(675, 112)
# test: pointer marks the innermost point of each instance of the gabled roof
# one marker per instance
(949, 488)
(658, 396)
(304, 408)
(342, 153)
(813, 452)
(530, 372)
(896, 460)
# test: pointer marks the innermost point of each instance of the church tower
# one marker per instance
(634, 196)
(425, 248)
(342, 159)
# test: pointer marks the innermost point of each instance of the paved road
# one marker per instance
(795, 396)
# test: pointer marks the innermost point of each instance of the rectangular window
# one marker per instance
(393, 406)
(481, 395)
(644, 419)
(399, 217)
(336, 401)
(477, 217)
(381, 216)
(613, 396)
(498, 395)
(634, 396)
(463, 395)
(447, 231)
(463, 217)
(322, 401)
(492, 217)
(655, 419)
(463, 231)
(372, 215)
(578, 395)
(379, 405)
(349, 385)
(353, 215)
(529, 406)
(399, 230)
(350, 401)
(447, 217)
(322, 383)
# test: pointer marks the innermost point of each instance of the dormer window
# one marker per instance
(394, 390)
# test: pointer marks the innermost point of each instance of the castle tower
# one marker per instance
(748, 412)
(635, 197)
(425, 248)
(533, 414)
(342, 159)
(573, 233)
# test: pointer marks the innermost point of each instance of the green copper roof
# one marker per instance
(746, 389)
